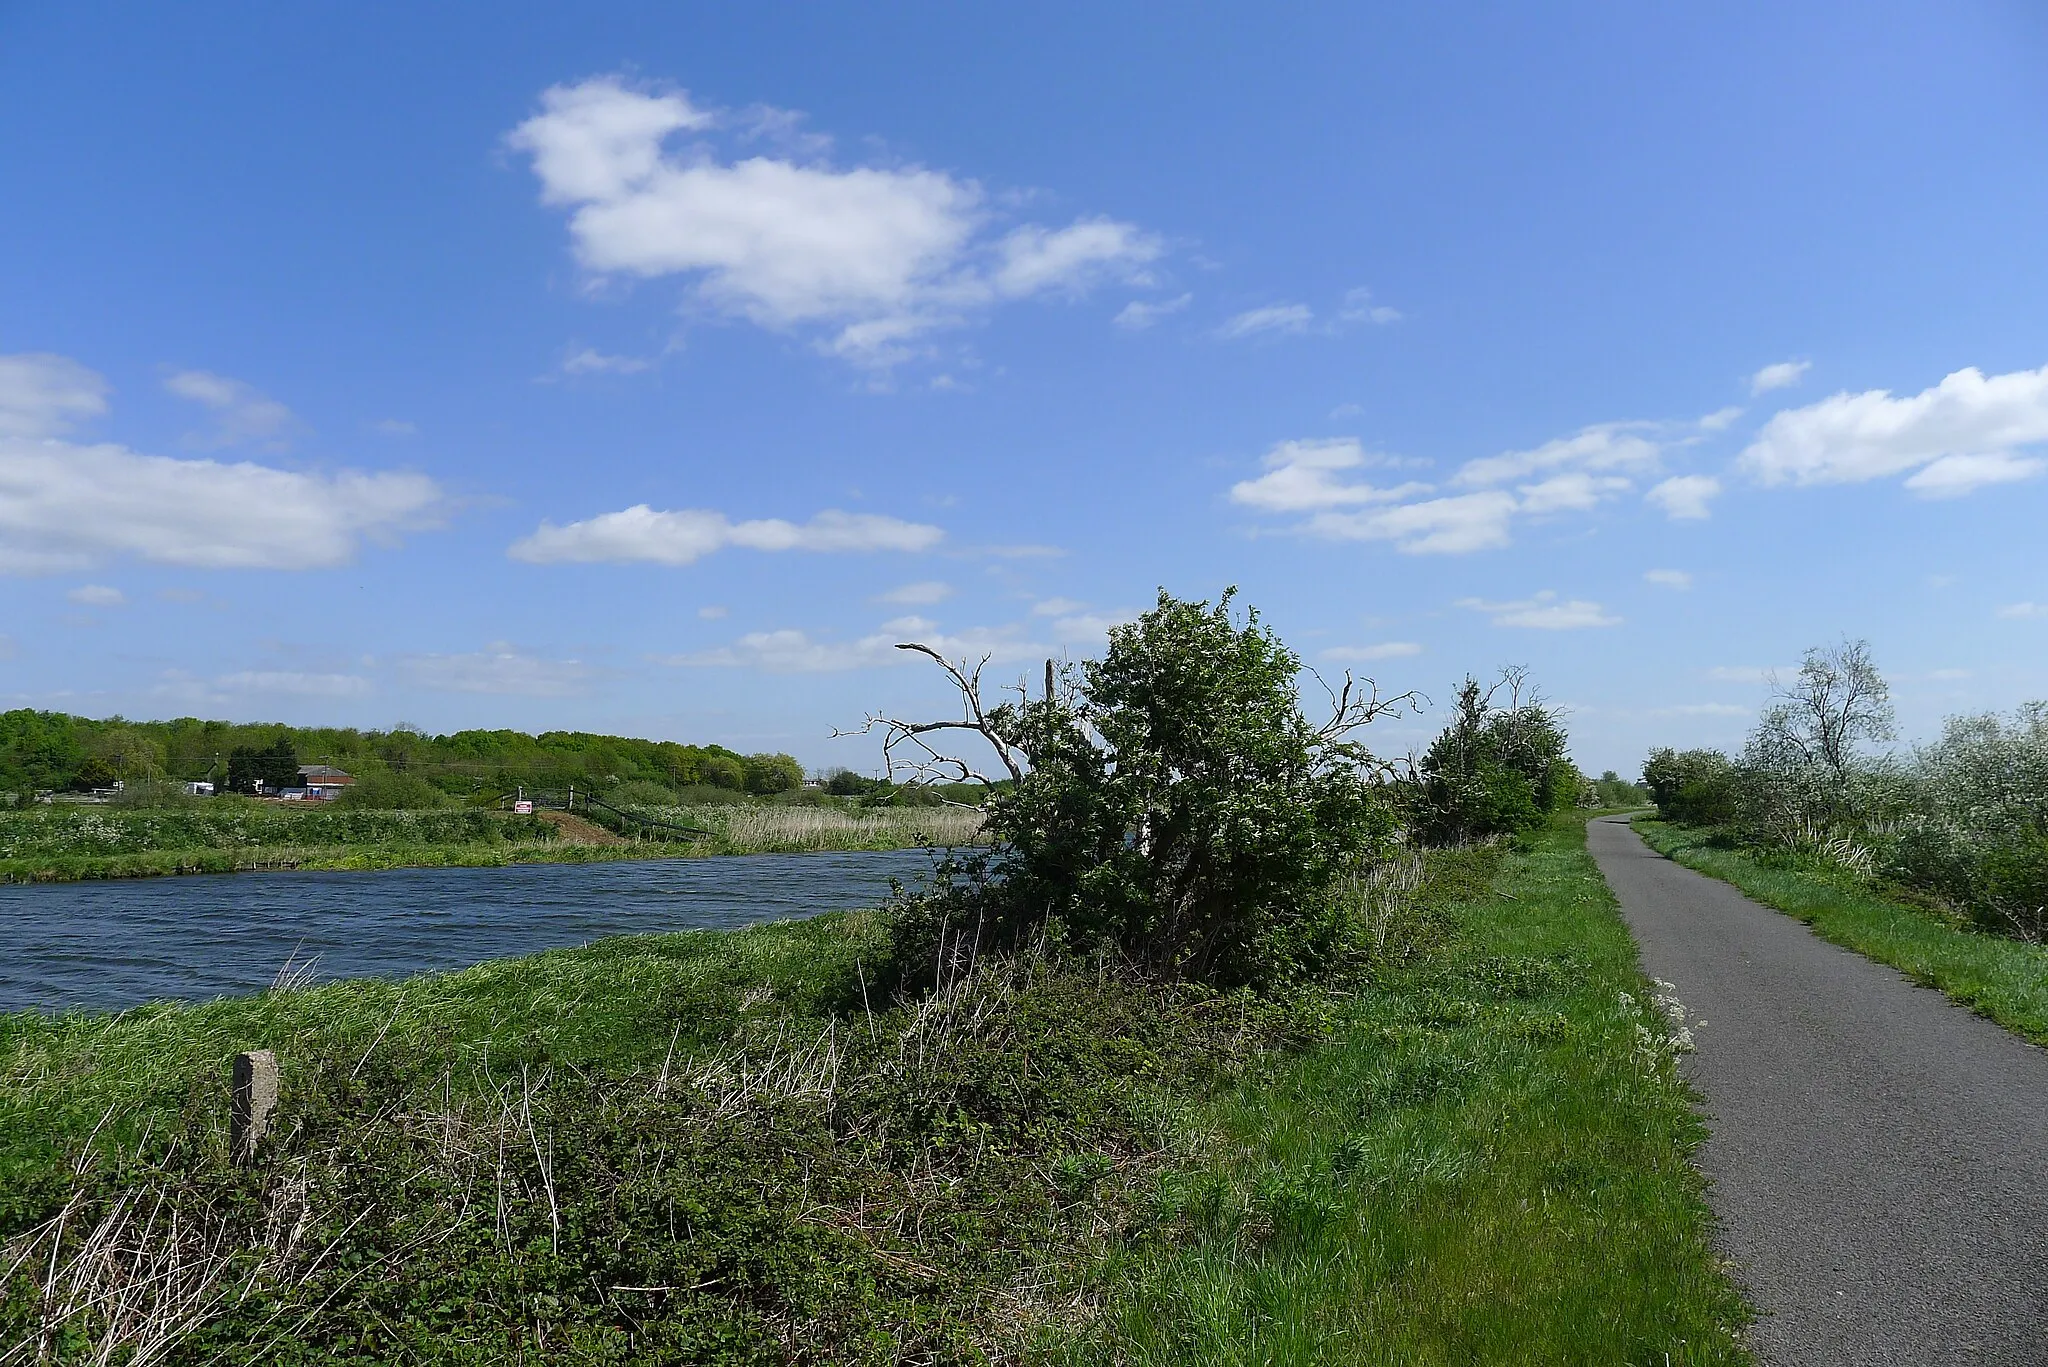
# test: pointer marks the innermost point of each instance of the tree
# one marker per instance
(1169, 804)
(1694, 787)
(1838, 702)
(773, 774)
(276, 766)
(1494, 770)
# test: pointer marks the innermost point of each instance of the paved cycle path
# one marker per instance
(1879, 1156)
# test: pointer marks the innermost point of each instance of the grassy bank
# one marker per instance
(717, 1147)
(2003, 979)
(73, 843)
(1486, 1161)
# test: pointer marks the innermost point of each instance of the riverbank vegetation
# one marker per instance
(1208, 1057)
(62, 842)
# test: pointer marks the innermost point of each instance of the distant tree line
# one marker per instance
(57, 752)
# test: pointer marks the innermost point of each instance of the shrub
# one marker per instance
(1179, 813)
(1693, 787)
(1494, 770)
(641, 792)
(391, 792)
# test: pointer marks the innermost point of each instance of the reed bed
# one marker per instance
(775, 830)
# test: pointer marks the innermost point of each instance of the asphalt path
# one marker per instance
(1879, 1155)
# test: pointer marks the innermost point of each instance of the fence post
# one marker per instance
(255, 1101)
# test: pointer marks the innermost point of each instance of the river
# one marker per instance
(118, 943)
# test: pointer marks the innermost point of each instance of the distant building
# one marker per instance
(322, 782)
(199, 789)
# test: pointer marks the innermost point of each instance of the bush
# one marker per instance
(391, 792)
(773, 774)
(1692, 787)
(1179, 813)
(1494, 770)
(641, 792)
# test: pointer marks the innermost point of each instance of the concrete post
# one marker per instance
(255, 1102)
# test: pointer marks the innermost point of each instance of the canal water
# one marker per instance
(117, 943)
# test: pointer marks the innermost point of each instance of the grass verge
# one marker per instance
(1487, 1161)
(2004, 980)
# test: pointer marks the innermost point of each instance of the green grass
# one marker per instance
(1488, 1161)
(2005, 980)
(1477, 1154)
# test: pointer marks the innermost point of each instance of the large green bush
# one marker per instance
(1495, 770)
(1179, 812)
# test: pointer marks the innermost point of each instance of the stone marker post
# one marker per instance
(255, 1101)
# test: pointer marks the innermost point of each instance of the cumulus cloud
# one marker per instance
(1433, 526)
(499, 668)
(1544, 611)
(66, 506)
(1619, 449)
(923, 593)
(1057, 607)
(1385, 650)
(97, 596)
(1359, 308)
(1138, 315)
(874, 255)
(643, 534)
(42, 395)
(242, 414)
(1782, 375)
(2023, 610)
(1305, 476)
(1668, 579)
(790, 651)
(1685, 496)
(1957, 436)
(1277, 319)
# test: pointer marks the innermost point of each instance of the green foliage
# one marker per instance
(1696, 787)
(391, 792)
(846, 783)
(252, 769)
(1612, 790)
(1180, 813)
(1485, 1162)
(50, 751)
(773, 774)
(1494, 770)
(642, 792)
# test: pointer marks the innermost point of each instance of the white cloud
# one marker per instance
(1782, 375)
(1685, 496)
(293, 684)
(1385, 650)
(1437, 526)
(500, 668)
(1086, 628)
(395, 427)
(1605, 448)
(923, 593)
(1138, 315)
(241, 412)
(1274, 318)
(1057, 607)
(1575, 491)
(1301, 476)
(641, 533)
(1954, 476)
(67, 506)
(97, 596)
(881, 254)
(588, 361)
(1960, 435)
(712, 612)
(1669, 579)
(1544, 612)
(1359, 308)
(42, 395)
(789, 651)
(1702, 709)
(1719, 419)
(2022, 610)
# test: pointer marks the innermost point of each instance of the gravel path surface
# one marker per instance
(1879, 1155)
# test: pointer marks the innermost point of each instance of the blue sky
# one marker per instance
(651, 369)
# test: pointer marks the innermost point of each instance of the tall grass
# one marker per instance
(763, 829)
(1486, 1162)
